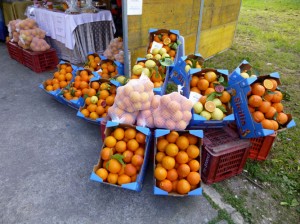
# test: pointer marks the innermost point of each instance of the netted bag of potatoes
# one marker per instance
(39, 44)
(136, 95)
(145, 117)
(22, 45)
(114, 48)
(174, 112)
(13, 34)
(26, 24)
(121, 116)
(26, 36)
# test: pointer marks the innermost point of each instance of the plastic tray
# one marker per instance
(223, 154)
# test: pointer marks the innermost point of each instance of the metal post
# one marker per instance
(199, 27)
(125, 37)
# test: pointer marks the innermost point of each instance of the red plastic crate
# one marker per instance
(260, 147)
(15, 51)
(223, 154)
(40, 61)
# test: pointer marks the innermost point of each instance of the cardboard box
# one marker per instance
(199, 121)
(98, 120)
(75, 104)
(137, 185)
(119, 65)
(163, 132)
(247, 127)
(180, 48)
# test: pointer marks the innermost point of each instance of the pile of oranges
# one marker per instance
(169, 41)
(93, 62)
(99, 98)
(61, 78)
(177, 163)
(264, 103)
(79, 87)
(109, 69)
(122, 156)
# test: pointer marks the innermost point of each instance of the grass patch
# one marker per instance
(268, 37)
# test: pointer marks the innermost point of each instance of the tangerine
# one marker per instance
(255, 101)
(130, 170)
(277, 97)
(278, 107)
(282, 118)
(202, 84)
(114, 166)
(258, 89)
(166, 185)
(130, 133)
(102, 173)
(112, 178)
(120, 146)
(119, 133)
(172, 136)
(193, 151)
(168, 162)
(127, 156)
(183, 170)
(162, 144)
(267, 124)
(160, 173)
(137, 160)
(265, 106)
(123, 179)
(106, 153)
(225, 98)
(110, 141)
(182, 157)
(258, 116)
(183, 186)
(182, 142)
(172, 174)
(194, 165)
(132, 145)
(140, 137)
(159, 156)
(271, 113)
(193, 178)
(172, 149)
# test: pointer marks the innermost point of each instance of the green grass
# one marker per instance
(268, 37)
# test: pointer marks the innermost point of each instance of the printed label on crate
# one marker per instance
(156, 45)
(194, 97)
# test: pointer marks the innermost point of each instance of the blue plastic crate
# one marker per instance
(138, 184)
(162, 132)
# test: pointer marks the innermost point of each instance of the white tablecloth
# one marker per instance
(61, 26)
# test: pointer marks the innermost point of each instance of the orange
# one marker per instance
(91, 92)
(195, 89)
(268, 96)
(85, 112)
(123, 179)
(95, 85)
(277, 97)
(193, 178)
(88, 101)
(265, 106)
(225, 98)
(203, 99)
(102, 173)
(162, 144)
(172, 136)
(194, 165)
(92, 107)
(258, 116)
(193, 151)
(159, 156)
(183, 186)
(182, 142)
(49, 88)
(282, 118)
(130, 133)
(56, 86)
(110, 100)
(120, 146)
(160, 173)
(93, 115)
(166, 185)
(140, 151)
(48, 82)
(69, 69)
(119, 133)
(100, 110)
(267, 124)
(83, 73)
(110, 68)
(61, 77)
(174, 185)
(56, 74)
(210, 106)
(83, 85)
(275, 125)
(183, 170)
(114, 166)
(275, 84)
(258, 89)
(251, 109)
(209, 91)
(172, 149)
(69, 76)
(173, 37)
(63, 84)
(210, 76)
(106, 153)
(172, 175)
(112, 178)
(202, 84)
(140, 137)
(168, 162)
(193, 140)
(130, 170)
(132, 145)
(137, 160)
(278, 107)
(255, 101)
(110, 141)
(63, 71)
(182, 157)
(271, 113)
(268, 84)
(127, 156)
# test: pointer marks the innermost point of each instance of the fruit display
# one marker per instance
(185, 63)
(93, 62)
(151, 68)
(177, 162)
(173, 112)
(145, 117)
(61, 78)
(123, 157)
(98, 99)
(163, 44)
(115, 50)
(74, 92)
(208, 87)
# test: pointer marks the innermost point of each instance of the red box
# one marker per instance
(260, 147)
(40, 61)
(224, 154)
(15, 51)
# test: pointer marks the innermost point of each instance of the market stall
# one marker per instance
(75, 35)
